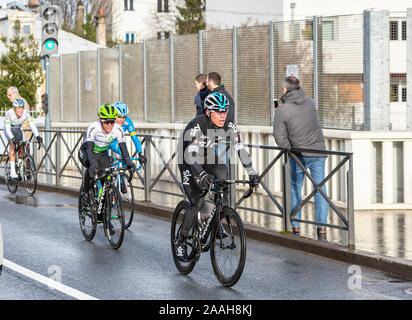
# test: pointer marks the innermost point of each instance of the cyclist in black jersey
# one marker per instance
(199, 163)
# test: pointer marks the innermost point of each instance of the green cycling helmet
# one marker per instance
(107, 111)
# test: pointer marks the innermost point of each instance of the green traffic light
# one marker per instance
(49, 44)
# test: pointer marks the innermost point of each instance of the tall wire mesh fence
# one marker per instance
(340, 70)
(131, 79)
(156, 78)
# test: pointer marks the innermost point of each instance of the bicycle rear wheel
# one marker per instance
(87, 221)
(11, 185)
(228, 247)
(127, 194)
(30, 174)
(183, 267)
(114, 217)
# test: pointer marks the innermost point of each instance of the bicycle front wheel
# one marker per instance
(127, 194)
(30, 174)
(11, 185)
(87, 221)
(183, 267)
(114, 217)
(228, 247)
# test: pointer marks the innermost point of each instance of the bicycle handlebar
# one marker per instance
(218, 183)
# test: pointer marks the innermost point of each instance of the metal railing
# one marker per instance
(62, 156)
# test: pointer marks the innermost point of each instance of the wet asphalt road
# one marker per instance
(42, 234)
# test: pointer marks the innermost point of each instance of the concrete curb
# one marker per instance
(396, 267)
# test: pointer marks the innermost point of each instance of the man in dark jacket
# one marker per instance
(202, 92)
(214, 84)
(296, 126)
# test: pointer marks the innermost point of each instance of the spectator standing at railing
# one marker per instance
(12, 94)
(214, 84)
(202, 92)
(296, 126)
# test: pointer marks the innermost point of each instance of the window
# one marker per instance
(130, 37)
(398, 87)
(161, 35)
(403, 94)
(128, 5)
(26, 29)
(394, 92)
(404, 27)
(294, 32)
(328, 30)
(162, 5)
(394, 30)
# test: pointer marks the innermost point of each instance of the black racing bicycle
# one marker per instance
(222, 232)
(25, 169)
(106, 207)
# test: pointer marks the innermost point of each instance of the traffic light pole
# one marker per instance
(48, 119)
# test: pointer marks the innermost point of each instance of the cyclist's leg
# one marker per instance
(192, 191)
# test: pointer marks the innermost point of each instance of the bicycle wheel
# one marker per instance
(11, 185)
(29, 174)
(127, 194)
(87, 221)
(183, 267)
(228, 247)
(114, 217)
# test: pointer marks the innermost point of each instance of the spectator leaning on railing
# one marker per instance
(296, 126)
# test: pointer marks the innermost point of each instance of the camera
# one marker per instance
(275, 103)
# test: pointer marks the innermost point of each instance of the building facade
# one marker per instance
(137, 20)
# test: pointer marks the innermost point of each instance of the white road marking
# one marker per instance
(48, 281)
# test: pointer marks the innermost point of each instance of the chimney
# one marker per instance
(101, 29)
(79, 16)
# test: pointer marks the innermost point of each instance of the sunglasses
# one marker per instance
(108, 121)
(220, 111)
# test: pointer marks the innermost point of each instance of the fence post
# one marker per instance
(234, 69)
(232, 176)
(409, 69)
(200, 44)
(172, 87)
(120, 73)
(147, 170)
(315, 60)
(351, 216)
(144, 82)
(376, 70)
(79, 84)
(271, 71)
(287, 196)
(58, 157)
(98, 77)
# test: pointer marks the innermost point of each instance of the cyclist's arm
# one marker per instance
(7, 126)
(115, 147)
(119, 135)
(132, 131)
(240, 149)
(192, 155)
(32, 125)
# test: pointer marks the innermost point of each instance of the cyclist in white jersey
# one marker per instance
(93, 153)
(13, 131)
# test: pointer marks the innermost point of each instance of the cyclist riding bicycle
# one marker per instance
(13, 122)
(127, 125)
(93, 152)
(199, 165)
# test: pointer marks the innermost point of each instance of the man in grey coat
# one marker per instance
(296, 126)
